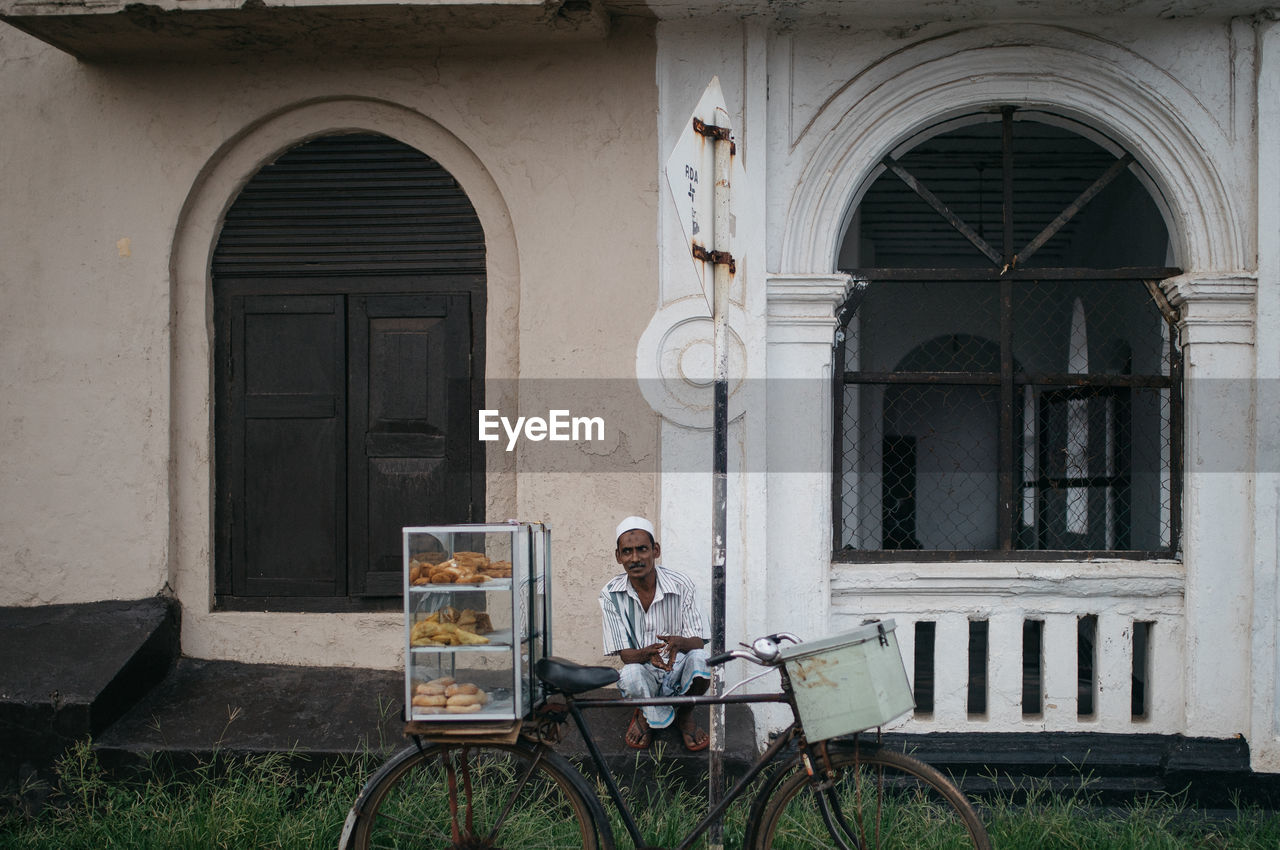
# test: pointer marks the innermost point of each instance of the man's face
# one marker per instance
(637, 553)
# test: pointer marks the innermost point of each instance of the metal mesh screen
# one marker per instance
(1026, 415)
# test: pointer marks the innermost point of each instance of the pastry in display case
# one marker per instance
(475, 620)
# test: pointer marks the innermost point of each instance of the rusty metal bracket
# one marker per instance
(722, 134)
(1170, 313)
(720, 258)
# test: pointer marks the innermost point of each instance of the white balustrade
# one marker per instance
(1088, 619)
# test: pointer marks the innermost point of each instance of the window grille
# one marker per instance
(1005, 406)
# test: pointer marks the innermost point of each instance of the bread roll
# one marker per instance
(428, 700)
(461, 688)
(462, 709)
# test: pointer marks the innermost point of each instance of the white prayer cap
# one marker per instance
(634, 523)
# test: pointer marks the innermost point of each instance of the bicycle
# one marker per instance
(514, 790)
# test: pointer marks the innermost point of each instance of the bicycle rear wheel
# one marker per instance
(473, 797)
(879, 800)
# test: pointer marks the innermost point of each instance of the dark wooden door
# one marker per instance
(349, 310)
(408, 457)
(341, 419)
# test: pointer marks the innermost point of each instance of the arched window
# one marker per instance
(1010, 383)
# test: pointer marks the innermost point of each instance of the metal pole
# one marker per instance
(719, 483)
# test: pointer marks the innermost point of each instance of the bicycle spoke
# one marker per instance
(515, 792)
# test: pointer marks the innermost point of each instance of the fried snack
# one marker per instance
(497, 569)
(476, 622)
(467, 638)
(445, 575)
(431, 633)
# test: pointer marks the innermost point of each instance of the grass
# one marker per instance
(268, 802)
(258, 801)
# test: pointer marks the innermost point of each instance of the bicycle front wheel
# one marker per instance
(879, 799)
(473, 797)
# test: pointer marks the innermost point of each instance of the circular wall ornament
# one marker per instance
(675, 363)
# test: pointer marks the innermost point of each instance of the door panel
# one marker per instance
(288, 522)
(290, 539)
(408, 452)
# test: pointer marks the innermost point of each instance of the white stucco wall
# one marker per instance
(105, 450)
(1180, 95)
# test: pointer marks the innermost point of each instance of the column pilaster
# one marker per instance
(1217, 330)
(801, 323)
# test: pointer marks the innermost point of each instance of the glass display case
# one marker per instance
(476, 619)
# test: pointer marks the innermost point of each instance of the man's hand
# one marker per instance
(652, 654)
(672, 645)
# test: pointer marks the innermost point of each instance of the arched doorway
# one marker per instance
(1037, 234)
(349, 303)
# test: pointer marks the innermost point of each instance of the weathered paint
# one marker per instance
(106, 452)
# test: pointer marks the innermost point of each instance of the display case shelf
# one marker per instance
(492, 585)
(502, 640)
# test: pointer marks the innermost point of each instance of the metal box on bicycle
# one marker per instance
(476, 620)
(848, 682)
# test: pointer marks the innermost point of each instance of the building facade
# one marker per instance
(1003, 327)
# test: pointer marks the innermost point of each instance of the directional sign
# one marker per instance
(690, 176)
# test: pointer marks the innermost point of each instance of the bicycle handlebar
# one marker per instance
(762, 651)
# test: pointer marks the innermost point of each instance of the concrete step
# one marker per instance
(208, 707)
(67, 672)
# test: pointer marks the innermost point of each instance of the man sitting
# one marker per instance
(653, 624)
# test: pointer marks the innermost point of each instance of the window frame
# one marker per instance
(1005, 271)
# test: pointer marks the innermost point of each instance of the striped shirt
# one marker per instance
(673, 611)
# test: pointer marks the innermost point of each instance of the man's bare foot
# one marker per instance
(638, 735)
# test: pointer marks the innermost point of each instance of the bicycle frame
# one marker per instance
(785, 738)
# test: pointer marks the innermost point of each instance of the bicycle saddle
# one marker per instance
(571, 678)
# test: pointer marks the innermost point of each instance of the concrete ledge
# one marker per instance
(67, 672)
